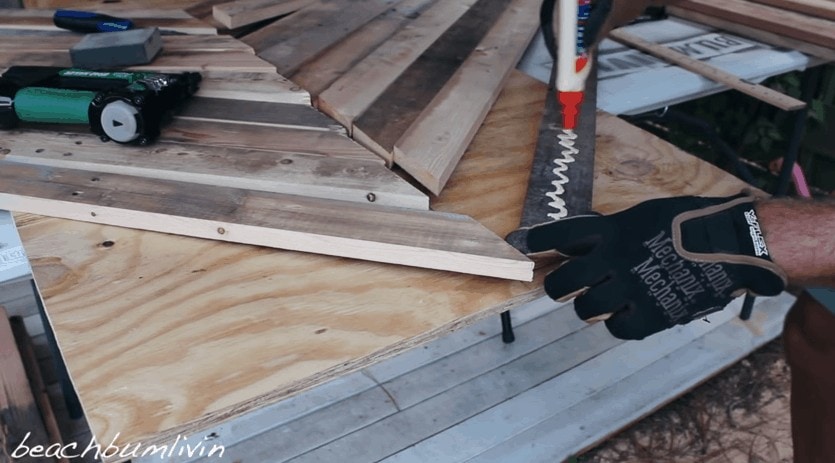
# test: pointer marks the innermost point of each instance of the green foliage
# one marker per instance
(756, 130)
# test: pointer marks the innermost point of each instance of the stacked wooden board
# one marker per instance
(412, 80)
(804, 25)
(247, 160)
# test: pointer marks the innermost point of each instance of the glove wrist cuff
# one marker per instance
(727, 233)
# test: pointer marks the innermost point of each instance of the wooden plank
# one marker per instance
(167, 61)
(431, 148)
(350, 95)
(39, 41)
(754, 33)
(165, 20)
(762, 93)
(820, 8)
(313, 176)
(317, 75)
(388, 118)
(266, 138)
(245, 12)
(281, 115)
(260, 86)
(578, 425)
(309, 431)
(22, 423)
(292, 41)
(445, 242)
(422, 383)
(790, 24)
(455, 405)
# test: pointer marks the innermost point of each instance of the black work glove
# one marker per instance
(661, 263)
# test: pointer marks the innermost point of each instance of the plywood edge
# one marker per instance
(431, 148)
(229, 413)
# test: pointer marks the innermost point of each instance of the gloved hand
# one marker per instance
(661, 263)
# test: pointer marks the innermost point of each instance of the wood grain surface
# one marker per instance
(300, 37)
(167, 61)
(393, 112)
(254, 86)
(410, 237)
(310, 175)
(432, 146)
(165, 20)
(820, 8)
(350, 95)
(245, 12)
(134, 310)
(317, 75)
(795, 25)
(754, 33)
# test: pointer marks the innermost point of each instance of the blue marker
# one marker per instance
(85, 21)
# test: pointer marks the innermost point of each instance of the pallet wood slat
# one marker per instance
(165, 20)
(313, 176)
(292, 41)
(62, 41)
(820, 8)
(350, 95)
(167, 61)
(280, 115)
(259, 137)
(432, 146)
(393, 112)
(390, 235)
(245, 12)
(754, 33)
(317, 75)
(795, 25)
(267, 87)
(760, 92)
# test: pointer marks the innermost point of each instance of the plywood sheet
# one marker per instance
(123, 301)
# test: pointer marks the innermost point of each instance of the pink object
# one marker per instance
(800, 182)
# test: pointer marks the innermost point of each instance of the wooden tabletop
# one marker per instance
(165, 335)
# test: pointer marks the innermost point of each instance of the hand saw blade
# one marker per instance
(576, 178)
(549, 161)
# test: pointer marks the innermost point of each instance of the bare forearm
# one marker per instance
(800, 235)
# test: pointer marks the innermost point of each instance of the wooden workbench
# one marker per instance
(166, 335)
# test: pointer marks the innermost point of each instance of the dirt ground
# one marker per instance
(740, 416)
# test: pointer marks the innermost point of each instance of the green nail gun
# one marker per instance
(126, 107)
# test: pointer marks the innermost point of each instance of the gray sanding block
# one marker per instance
(115, 49)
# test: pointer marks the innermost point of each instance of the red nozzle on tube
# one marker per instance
(570, 102)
